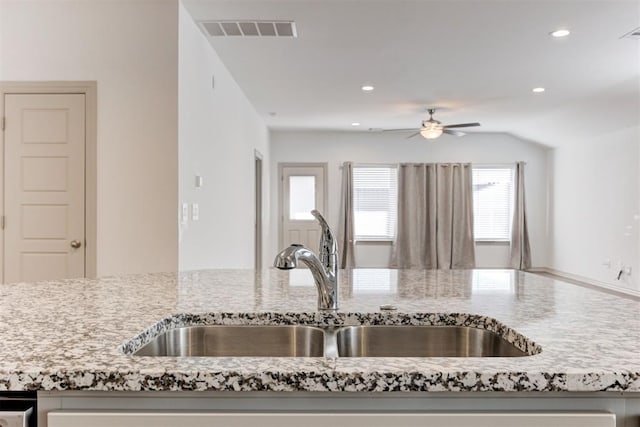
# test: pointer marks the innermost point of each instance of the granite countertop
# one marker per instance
(74, 334)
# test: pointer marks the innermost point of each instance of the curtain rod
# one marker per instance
(497, 163)
(396, 164)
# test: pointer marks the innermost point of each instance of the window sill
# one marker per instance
(374, 242)
(493, 242)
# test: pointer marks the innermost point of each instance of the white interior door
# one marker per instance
(303, 189)
(44, 166)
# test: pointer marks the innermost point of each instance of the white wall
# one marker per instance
(218, 133)
(131, 50)
(365, 147)
(594, 208)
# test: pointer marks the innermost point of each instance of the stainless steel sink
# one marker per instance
(220, 341)
(422, 341)
(347, 341)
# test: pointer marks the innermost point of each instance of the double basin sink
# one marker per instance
(346, 341)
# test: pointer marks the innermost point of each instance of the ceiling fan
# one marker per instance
(432, 129)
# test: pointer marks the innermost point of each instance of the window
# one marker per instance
(302, 197)
(375, 198)
(492, 203)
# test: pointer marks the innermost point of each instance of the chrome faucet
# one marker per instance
(324, 268)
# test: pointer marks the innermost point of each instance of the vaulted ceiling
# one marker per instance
(472, 60)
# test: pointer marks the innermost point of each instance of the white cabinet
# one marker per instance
(302, 409)
(69, 418)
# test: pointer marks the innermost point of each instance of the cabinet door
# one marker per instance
(191, 419)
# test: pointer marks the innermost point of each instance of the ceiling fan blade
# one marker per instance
(401, 130)
(453, 132)
(412, 135)
(462, 125)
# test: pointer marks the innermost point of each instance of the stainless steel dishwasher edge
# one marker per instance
(18, 409)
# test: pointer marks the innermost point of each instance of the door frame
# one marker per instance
(90, 90)
(258, 163)
(281, 212)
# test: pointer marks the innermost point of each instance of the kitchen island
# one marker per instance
(75, 338)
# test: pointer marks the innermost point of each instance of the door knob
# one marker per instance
(75, 244)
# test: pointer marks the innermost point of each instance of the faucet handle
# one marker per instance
(326, 236)
(320, 218)
(328, 245)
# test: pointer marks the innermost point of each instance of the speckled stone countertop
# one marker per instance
(74, 335)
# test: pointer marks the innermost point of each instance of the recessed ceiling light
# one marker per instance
(560, 33)
(355, 124)
(367, 88)
(538, 89)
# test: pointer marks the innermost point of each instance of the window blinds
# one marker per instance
(375, 196)
(492, 203)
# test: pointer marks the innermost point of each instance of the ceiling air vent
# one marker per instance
(250, 28)
(633, 34)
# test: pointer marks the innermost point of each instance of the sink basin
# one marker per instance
(422, 341)
(346, 341)
(221, 341)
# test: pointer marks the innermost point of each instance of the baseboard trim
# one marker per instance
(586, 282)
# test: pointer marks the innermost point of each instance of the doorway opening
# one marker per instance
(258, 214)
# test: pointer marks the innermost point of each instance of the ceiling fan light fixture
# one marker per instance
(562, 32)
(431, 130)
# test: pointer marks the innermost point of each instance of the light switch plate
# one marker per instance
(184, 218)
(195, 212)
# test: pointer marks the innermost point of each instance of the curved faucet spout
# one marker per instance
(325, 282)
(323, 267)
(287, 259)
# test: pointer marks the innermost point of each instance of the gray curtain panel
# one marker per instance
(346, 245)
(520, 248)
(435, 216)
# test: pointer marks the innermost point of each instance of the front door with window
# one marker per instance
(302, 189)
